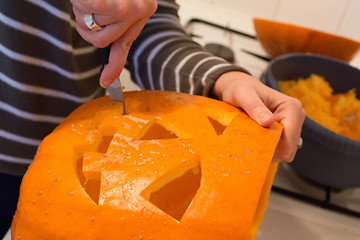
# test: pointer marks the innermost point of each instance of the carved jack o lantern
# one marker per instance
(176, 166)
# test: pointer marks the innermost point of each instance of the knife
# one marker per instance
(115, 90)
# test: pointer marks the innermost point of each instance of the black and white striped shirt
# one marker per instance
(47, 69)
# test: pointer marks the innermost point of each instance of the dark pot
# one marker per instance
(326, 157)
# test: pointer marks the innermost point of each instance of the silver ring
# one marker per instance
(90, 22)
(300, 143)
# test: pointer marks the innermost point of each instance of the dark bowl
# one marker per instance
(326, 158)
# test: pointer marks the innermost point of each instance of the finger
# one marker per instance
(96, 6)
(109, 33)
(291, 115)
(119, 52)
(100, 20)
(115, 66)
(108, 12)
(287, 156)
(80, 21)
(249, 100)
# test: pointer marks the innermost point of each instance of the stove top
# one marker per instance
(289, 183)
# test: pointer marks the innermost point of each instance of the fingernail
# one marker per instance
(104, 84)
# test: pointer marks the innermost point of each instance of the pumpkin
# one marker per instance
(278, 38)
(175, 166)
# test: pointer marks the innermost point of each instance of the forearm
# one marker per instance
(165, 57)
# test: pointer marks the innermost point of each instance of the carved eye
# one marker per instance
(219, 128)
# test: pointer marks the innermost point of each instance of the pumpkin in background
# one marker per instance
(278, 38)
(176, 166)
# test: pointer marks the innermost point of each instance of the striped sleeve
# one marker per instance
(164, 57)
(46, 71)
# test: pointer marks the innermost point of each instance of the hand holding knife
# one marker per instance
(115, 89)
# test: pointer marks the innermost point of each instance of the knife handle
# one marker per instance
(104, 53)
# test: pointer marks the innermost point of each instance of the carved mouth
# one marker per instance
(174, 191)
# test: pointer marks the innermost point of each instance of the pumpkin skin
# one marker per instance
(279, 38)
(176, 166)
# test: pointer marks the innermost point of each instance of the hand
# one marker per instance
(265, 105)
(121, 22)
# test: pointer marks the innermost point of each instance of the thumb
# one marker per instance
(254, 107)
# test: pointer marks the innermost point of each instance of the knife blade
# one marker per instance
(115, 90)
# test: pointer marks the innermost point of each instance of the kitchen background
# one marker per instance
(333, 16)
(286, 218)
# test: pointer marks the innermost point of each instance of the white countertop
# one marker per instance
(7, 236)
(286, 218)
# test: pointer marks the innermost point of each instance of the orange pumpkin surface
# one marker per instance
(175, 166)
(278, 38)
